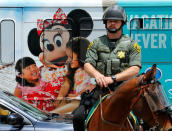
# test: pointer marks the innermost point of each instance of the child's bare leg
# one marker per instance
(68, 107)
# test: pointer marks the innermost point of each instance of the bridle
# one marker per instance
(142, 86)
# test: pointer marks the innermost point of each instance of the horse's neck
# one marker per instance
(120, 102)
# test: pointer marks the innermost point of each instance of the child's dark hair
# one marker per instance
(79, 46)
(21, 64)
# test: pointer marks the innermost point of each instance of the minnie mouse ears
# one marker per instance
(34, 43)
(58, 18)
(82, 23)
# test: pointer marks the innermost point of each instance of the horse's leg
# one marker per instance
(165, 122)
(168, 125)
(141, 110)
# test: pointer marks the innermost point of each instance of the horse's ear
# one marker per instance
(153, 70)
(151, 74)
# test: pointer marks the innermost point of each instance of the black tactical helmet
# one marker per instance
(114, 12)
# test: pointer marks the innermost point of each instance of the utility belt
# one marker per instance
(88, 99)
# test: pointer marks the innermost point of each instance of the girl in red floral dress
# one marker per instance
(32, 88)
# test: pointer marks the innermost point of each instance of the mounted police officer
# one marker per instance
(110, 59)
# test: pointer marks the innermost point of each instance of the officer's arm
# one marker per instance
(126, 74)
(91, 70)
(90, 64)
(100, 78)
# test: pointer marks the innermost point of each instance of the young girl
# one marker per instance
(77, 80)
(76, 51)
(30, 86)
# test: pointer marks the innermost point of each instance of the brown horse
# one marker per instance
(151, 108)
(112, 113)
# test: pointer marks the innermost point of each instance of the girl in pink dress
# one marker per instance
(32, 88)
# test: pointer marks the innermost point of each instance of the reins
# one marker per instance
(156, 125)
(106, 121)
(143, 86)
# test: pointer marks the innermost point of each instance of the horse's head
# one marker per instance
(154, 92)
(150, 107)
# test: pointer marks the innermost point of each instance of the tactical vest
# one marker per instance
(112, 61)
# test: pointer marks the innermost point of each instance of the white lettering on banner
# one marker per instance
(145, 26)
(150, 23)
(168, 80)
(162, 41)
(146, 40)
(162, 16)
(153, 22)
(137, 38)
(135, 24)
(131, 17)
(151, 40)
(144, 16)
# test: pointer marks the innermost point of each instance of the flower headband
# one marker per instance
(59, 17)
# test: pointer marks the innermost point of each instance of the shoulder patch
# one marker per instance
(90, 45)
(137, 47)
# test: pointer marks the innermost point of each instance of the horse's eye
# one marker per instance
(58, 40)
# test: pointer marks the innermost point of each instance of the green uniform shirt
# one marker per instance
(108, 61)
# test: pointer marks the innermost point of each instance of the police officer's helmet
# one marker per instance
(114, 12)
